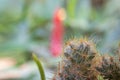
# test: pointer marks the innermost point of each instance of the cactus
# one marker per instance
(110, 66)
(79, 60)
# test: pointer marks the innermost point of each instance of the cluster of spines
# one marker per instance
(81, 61)
(110, 67)
(78, 62)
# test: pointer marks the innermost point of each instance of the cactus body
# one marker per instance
(79, 61)
(110, 68)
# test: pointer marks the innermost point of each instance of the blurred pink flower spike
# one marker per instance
(57, 32)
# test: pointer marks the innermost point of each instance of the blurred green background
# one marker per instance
(25, 27)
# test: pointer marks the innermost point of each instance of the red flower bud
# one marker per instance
(57, 33)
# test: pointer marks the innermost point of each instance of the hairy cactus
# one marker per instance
(79, 61)
(110, 66)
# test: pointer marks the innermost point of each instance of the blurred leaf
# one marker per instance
(100, 78)
(71, 8)
(41, 70)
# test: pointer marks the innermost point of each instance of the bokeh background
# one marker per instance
(26, 25)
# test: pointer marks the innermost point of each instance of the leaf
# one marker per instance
(71, 8)
(100, 78)
(40, 67)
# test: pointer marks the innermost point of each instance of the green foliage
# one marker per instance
(100, 77)
(71, 6)
(34, 19)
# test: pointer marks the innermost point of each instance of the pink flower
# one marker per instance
(57, 33)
